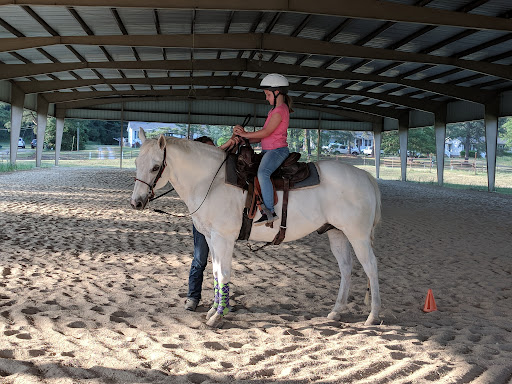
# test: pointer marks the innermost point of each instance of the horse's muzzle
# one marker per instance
(139, 203)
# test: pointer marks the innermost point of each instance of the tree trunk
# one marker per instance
(308, 144)
(467, 145)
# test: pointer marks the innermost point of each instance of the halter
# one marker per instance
(158, 176)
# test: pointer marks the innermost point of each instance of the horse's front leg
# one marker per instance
(222, 254)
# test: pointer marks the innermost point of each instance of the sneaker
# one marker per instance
(191, 304)
(264, 219)
(273, 218)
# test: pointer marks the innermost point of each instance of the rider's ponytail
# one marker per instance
(288, 101)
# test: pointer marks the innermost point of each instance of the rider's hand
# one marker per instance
(239, 130)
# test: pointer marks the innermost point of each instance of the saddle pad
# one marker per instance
(231, 176)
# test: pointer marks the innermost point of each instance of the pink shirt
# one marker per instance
(277, 139)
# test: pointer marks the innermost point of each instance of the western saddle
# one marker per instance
(242, 169)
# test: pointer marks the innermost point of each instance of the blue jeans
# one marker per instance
(271, 160)
(195, 277)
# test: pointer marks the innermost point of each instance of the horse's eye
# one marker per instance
(155, 168)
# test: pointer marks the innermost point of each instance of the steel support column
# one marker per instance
(491, 141)
(440, 129)
(17, 101)
(121, 142)
(59, 129)
(403, 133)
(318, 140)
(377, 141)
(42, 117)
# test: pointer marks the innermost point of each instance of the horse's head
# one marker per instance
(150, 165)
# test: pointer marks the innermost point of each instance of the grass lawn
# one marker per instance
(108, 156)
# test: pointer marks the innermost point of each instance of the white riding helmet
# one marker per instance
(275, 82)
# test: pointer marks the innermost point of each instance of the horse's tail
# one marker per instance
(378, 205)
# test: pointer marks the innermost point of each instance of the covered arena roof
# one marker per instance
(351, 64)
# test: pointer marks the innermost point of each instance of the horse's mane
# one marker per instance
(194, 146)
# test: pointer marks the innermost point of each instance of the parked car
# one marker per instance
(21, 143)
(411, 154)
(340, 149)
(33, 143)
(368, 151)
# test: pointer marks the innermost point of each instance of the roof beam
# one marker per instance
(232, 81)
(362, 9)
(223, 95)
(10, 71)
(258, 42)
(247, 96)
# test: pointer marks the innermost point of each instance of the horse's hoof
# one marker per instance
(334, 316)
(210, 313)
(372, 320)
(214, 321)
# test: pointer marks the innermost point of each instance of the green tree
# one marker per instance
(28, 123)
(419, 140)
(506, 131)
(5, 117)
(295, 139)
(390, 142)
(422, 140)
(103, 132)
(69, 134)
(469, 132)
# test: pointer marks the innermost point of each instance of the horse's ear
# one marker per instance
(162, 142)
(142, 135)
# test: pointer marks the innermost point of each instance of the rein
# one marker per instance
(200, 205)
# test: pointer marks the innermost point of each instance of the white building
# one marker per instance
(453, 147)
(133, 130)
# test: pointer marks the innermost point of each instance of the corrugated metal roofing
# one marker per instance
(392, 65)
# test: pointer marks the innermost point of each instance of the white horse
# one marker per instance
(347, 198)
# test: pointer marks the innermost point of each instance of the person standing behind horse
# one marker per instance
(201, 249)
(273, 137)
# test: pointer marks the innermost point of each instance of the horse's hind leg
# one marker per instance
(340, 247)
(364, 253)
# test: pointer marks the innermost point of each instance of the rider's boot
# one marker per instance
(267, 217)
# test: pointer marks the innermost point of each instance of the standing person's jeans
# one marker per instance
(271, 160)
(195, 278)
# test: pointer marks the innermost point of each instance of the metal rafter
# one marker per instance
(359, 112)
(447, 41)
(269, 28)
(227, 25)
(231, 81)
(159, 30)
(90, 32)
(124, 31)
(295, 33)
(10, 71)
(362, 9)
(267, 42)
(17, 33)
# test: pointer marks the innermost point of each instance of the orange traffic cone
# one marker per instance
(430, 303)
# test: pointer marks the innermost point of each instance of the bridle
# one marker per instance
(158, 176)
